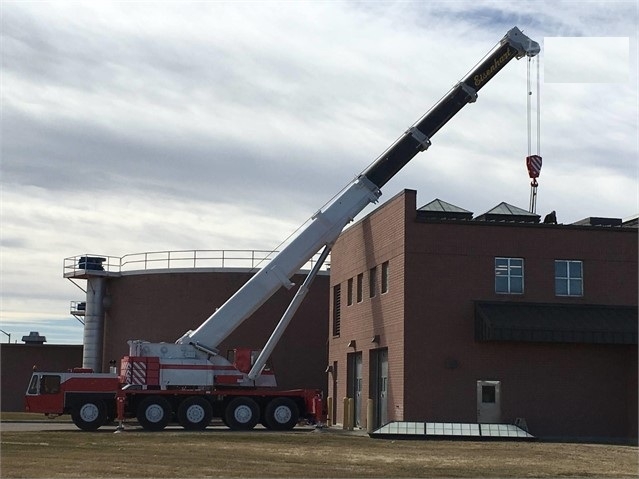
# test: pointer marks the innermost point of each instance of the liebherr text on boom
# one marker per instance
(190, 379)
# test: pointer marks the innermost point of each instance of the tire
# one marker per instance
(195, 413)
(154, 413)
(89, 414)
(242, 414)
(281, 414)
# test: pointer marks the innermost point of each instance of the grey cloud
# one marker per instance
(13, 242)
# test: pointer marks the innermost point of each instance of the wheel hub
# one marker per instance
(195, 413)
(243, 414)
(282, 414)
(154, 413)
(89, 412)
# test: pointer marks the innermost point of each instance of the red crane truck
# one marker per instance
(189, 380)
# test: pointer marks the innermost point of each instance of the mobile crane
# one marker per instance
(189, 379)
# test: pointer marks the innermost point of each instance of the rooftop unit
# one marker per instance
(504, 212)
(34, 338)
(598, 221)
(440, 210)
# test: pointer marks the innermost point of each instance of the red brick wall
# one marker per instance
(369, 243)
(556, 387)
(163, 306)
(426, 320)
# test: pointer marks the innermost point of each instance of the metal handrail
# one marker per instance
(183, 259)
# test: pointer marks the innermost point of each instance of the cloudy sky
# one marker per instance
(151, 126)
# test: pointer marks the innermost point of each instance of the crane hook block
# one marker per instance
(533, 163)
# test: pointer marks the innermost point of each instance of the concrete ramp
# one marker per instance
(451, 430)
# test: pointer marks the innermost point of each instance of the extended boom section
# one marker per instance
(323, 230)
(417, 138)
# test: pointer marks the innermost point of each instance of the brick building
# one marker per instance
(440, 317)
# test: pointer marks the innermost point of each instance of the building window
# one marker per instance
(349, 292)
(488, 394)
(50, 384)
(337, 313)
(385, 277)
(569, 278)
(372, 281)
(509, 275)
(360, 287)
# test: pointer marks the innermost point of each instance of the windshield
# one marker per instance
(33, 385)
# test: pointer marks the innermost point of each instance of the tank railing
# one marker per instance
(94, 263)
(184, 259)
(78, 310)
(195, 259)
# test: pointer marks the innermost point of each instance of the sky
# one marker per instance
(129, 127)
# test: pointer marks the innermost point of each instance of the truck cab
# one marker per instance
(87, 396)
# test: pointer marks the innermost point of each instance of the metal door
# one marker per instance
(334, 395)
(354, 387)
(383, 390)
(357, 387)
(488, 402)
(378, 384)
(381, 386)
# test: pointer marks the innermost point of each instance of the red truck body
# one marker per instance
(96, 399)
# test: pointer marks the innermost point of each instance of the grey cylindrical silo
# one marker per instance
(94, 323)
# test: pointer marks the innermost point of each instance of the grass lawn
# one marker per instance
(299, 453)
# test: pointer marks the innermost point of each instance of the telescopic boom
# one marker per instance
(326, 225)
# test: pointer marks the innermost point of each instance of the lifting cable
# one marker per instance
(533, 160)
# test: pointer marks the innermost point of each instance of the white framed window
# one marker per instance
(509, 275)
(569, 277)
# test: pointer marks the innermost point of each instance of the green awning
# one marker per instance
(555, 323)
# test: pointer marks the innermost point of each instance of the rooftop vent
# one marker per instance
(438, 209)
(504, 212)
(598, 221)
(34, 338)
(632, 222)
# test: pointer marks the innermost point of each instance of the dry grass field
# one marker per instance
(218, 452)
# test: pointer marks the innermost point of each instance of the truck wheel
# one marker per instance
(154, 413)
(242, 414)
(89, 414)
(195, 413)
(281, 414)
